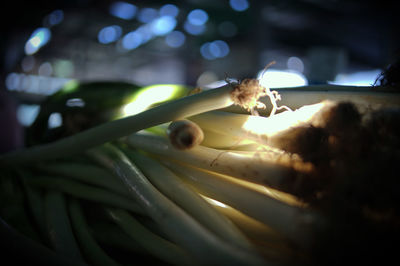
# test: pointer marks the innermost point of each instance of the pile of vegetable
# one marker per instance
(224, 176)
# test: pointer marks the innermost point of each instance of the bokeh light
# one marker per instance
(55, 120)
(239, 5)
(169, 10)
(109, 34)
(214, 50)
(45, 69)
(146, 32)
(295, 63)
(132, 40)
(206, 78)
(197, 17)
(163, 25)
(75, 102)
(39, 38)
(359, 78)
(281, 78)
(147, 14)
(64, 68)
(175, 39)
(28, 63)
(123, 10)
(27, 113)
(54, 18)
(194, 29)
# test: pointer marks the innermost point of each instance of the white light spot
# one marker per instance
(55, 120)
(163, 25)
(147, 98)
(360, 78)
(45, 69)
(26, 114)
(278, 79)
(296, 64)
(206, 78)
(75, 102)
(39, 37)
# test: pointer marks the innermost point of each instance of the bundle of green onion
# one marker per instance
(189, 180)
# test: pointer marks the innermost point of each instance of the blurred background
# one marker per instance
(44, 44)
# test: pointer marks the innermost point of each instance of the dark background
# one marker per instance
(361, 32)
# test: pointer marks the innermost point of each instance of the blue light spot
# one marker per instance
(12, 81)
(145, 32)
(38, 38)
(27, 113)
(56, 17)
(169, 10)
(163, 25)
(214, 50)
(132, 40)
(175, 39)
(197, 17)
(194, 29)
(205, 51)
(123, 10)
(109, 34)
(219, 48)
(147, 15)
(55, 120)
(239, 5)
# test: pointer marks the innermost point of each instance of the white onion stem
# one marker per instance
(267, 168)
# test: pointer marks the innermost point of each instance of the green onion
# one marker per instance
(86, 173)
(177, 224)
(366, 97)
(111, 235)
(257, 128)
(35, 203)
(291, 221)
(172, 187)
(184, 134)
(152, 243)
(86, 192)
(59, 226)
(224, 141)
(17, 248)
(91, 250)
(181, 108)
(266, 168)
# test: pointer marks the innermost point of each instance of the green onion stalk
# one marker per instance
(177, 109)
(181, 227)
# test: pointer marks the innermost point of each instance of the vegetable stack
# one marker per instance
(188, 179)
